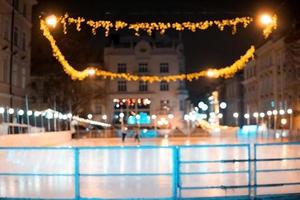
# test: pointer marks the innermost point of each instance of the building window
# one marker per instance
(122, 68)
(122, 86)
(164, 67)
(143, 67)
(143, 86)
(164, 86)
(23, 41)
(16, 35)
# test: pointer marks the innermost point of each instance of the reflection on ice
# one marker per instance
(144, 172)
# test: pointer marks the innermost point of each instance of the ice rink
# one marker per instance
(154, 168)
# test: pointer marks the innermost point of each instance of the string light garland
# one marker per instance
(270, 27)
(226, 72)
(149, 27)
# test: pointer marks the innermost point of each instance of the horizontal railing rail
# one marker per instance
(185, 163)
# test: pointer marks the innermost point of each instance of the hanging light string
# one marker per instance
(149, 27)
(225, 72)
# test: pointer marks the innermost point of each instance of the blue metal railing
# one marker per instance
(275, 156)
(185, 171)
(217, 163)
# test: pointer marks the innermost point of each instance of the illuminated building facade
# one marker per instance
(15, 50)
(159, 104)
(271, 81)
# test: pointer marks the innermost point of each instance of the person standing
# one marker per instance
(137, 135)
(124, 133)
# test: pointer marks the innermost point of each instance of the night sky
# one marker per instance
(211, 48)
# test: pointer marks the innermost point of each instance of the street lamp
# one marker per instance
(11, 111)
(187, 119)
(236, 116)
(21, 113)
(51, 21)
(104, 117)
(266, 19)
(153, 117)
(223, 105)
(2, 110)
(290, 112)
(269, 113)
(262, 116)
(255, 115)
(247, 116)
(275, 113)
(170, 116)
(281, 112)
(283, 121)
(89, 116)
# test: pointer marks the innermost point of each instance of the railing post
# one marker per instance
(76, 173)
(249, 170)
(175, 151)
(255, 172)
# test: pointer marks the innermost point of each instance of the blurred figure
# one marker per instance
(137, 135)
(124, 133)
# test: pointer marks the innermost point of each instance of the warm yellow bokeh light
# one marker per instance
(210, 73)
(51, 20)
(92, 72)
(266, 19)
(283, 121)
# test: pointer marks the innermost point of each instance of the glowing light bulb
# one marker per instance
(266, 19)
(51, 20)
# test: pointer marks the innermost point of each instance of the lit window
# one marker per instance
(122, 86)
(164, 86)
(122, 68)
(164, 67)
(143, 67)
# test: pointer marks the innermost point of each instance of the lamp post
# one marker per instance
(236, 116)
(247, 117)
(69, 116)
(10, 111)
(290, 112)
(2, 110)
(269, 113)
(262, 116)
(104, 118)
(154, 117)
(187, 119)
(275, 113)
(255, 115)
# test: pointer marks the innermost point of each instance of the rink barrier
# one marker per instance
(219, 161)
(256, 160)
(176, 172)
